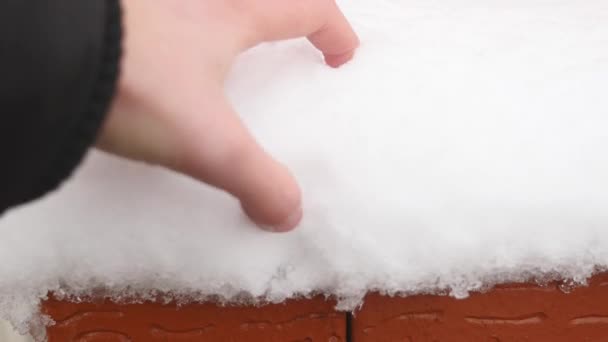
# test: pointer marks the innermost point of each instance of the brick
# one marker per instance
(294, 321)
(507, 313)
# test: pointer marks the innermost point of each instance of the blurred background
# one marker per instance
(7, 334)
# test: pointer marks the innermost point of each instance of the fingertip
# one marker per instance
(275, 203)
(337, 60)
(290, 223)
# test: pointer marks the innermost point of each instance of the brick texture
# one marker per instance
(507, 313)
(295, 321)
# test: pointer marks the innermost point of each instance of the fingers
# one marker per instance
(320, 20)
(336, 38)
(221, 152)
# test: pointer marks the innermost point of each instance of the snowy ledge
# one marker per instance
(464, 147)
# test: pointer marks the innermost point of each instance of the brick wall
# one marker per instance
(508, 313)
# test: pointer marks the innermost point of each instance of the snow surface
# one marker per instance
(466, 145)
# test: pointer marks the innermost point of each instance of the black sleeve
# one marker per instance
(58, 68)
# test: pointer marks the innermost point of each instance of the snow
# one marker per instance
(464, 146)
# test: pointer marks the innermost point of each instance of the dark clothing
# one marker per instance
(58, 69)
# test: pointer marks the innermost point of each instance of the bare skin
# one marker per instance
(171, 110)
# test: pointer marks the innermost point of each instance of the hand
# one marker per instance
(170, 107)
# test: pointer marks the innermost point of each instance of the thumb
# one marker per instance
(220, 151)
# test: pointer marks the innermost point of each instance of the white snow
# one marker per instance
(466, 145)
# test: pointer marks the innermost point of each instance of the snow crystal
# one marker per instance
(466, 145)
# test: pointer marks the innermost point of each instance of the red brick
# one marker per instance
(508, 313)
(294, 321)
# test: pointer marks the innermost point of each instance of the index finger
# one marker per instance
(321, 21)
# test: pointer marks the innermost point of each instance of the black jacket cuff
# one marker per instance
(59, 62)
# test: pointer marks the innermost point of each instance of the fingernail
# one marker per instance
(290, 223)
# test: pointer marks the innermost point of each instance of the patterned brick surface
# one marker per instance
(295, 321)
(509, 313)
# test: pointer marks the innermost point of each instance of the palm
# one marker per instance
(171, 110)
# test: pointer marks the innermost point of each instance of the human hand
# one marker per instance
(170, 108)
